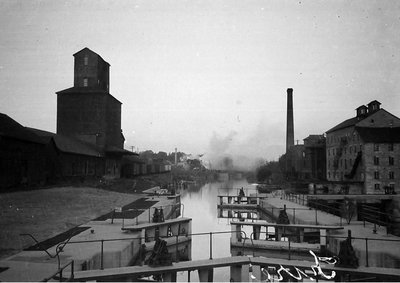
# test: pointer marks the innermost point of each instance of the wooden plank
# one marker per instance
(158, 224)
(243, 197)
(238, 206)
(113, 274)
(356, 197)
(259, 223)
(134, 271)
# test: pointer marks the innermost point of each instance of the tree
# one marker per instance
(269, 171)
(263, 173)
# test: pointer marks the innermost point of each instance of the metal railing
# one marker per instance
(149, 211)
(211, 240)
(59, 273)
(103, 241)
(328, 238)
(59, 247)
(367, 213)
(271, 210)
(374, 216)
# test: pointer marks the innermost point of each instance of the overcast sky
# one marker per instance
(206, 76)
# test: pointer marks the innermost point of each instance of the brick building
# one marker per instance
(88, 112)
(314, 157)
(363, 152)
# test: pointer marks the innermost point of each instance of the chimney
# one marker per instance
(289, 120)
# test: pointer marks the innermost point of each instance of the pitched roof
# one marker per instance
(347, 123)
(86, 90)
(382, 119)
(379, 135)
(68, 144)
(87, 49)
(117, 150)
(12, 129)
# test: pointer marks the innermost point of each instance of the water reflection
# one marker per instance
(200, 204)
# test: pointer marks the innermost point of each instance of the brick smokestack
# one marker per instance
(289, 120)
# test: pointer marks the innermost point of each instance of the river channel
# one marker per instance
(200, 204)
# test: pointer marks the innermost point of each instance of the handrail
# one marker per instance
(60, 272)
(327, 237)
(59, 247)
(372, 220)
(149, 210)
(60, 269)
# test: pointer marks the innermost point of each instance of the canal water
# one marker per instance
(200, 204)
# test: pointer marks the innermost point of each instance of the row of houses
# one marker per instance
(88, 141)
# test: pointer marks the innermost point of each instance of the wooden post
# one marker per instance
(240, 273)
(169, 277)
(256, 232)
(322, 240)
(206, 275)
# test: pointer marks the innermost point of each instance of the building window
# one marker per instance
(86, 60)
(376, 147)
(376, 160)
(391, 160)
(85, 82)
(391, 147)
(391, 186)
(391, 175)
(376, 175)
(377, 187)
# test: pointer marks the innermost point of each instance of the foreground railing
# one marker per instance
(328, 238)
(366, 214)
(59, 273)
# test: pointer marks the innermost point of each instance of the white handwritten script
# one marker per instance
(317, 270)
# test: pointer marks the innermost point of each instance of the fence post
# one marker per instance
(289, 246)
(316, 217)
(149, 215)
(210, 245)
(294, 215)
(366, 251)
(102, 252)
(177, 250)
(72, 269)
